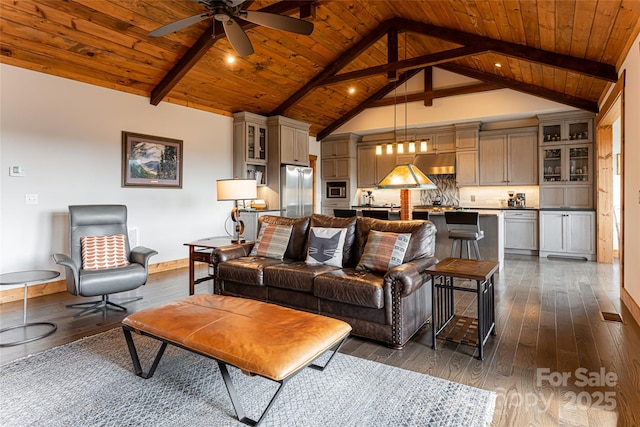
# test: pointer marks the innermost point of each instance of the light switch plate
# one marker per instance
(16, 171)
(30, 199)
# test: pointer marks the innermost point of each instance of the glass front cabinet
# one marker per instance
(567, 164)
(566, 176)
(579, 129)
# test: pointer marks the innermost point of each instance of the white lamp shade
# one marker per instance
(237, 189)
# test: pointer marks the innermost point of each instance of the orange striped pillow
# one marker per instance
(101, 252)
(383, 251)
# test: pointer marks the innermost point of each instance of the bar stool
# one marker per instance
(464, 226)
(376, 213)
(344, 213)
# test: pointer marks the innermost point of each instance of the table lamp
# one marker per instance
(237, 189)
(406, 177)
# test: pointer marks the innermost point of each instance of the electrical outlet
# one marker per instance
(30, 199)
(473, 197)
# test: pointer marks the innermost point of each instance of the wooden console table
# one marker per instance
(461, 329)
(200, 251)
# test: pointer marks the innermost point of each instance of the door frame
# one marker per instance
(612, 109)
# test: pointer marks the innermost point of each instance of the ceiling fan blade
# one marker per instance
(277, 22)
(178, 25)
(237, 37)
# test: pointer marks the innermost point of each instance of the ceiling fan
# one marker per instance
(226, 11)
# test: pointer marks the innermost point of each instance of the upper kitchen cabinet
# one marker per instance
(563, 127)
(373, 167)
(509, 157)
(338, 155)
(250, 145)
(467, 172)
(289, 140)
(467, 136)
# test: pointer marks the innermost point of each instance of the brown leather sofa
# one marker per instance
(389, 308)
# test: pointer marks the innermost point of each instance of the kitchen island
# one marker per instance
(491, 222)
(491, 246)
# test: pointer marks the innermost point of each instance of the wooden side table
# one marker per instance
(27, 278)
(462, 329)
(200, 251)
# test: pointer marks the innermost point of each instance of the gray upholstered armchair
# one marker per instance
(87, 223)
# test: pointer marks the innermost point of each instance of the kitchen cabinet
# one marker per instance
(568, 233)
(336, 168)
(294, 146)
(467, 168)
(342, 147)
(250, 146)
(338, 156)
(509, 157)
(371, 167)
(566, 127)
(467, 171)
(521, 231)
(566, 175)
(438, 142)
(289, 140)
(250, 220)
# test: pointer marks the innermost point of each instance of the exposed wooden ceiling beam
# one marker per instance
(365, 104)
(208, 39)
(335, 66)
(407, 64)
(530, 89)
(595, 69)
(439, 93)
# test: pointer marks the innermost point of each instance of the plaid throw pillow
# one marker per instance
(272, 241)
(383, 251)
(325, 246)
(102, 252)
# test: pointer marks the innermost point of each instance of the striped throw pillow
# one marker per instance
(272, 241)
(101, 252)
(383, 250)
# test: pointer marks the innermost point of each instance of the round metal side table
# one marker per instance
(27, 278)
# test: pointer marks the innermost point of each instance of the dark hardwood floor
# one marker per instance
(548, 323)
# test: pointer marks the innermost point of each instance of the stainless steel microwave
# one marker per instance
(336, 190)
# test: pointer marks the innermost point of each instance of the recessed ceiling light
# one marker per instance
(352, 90)
(231, 59)
(498, 65)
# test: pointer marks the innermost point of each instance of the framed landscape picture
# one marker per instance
(151, 161)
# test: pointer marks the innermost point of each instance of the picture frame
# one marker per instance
(151, 161)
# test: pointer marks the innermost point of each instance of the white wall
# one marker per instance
(67, 137)
(632, 172)
(504, 104)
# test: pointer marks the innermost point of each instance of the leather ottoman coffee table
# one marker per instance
(259, 338)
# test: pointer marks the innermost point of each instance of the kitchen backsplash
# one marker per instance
(490, 197)
(450, 195)
(446, 190)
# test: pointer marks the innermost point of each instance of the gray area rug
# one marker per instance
(91, 382)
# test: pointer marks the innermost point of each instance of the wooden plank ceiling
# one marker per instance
(567, 51)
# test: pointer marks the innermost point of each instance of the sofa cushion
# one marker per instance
(297, 275)
(318, 220)
(384, 250)
(423, 236)
(248, 270)
(272, 241)
(102, 252)
(298, 240)
(325, 246)
(351, 287)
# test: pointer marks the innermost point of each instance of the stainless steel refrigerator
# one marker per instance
(296, 191)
